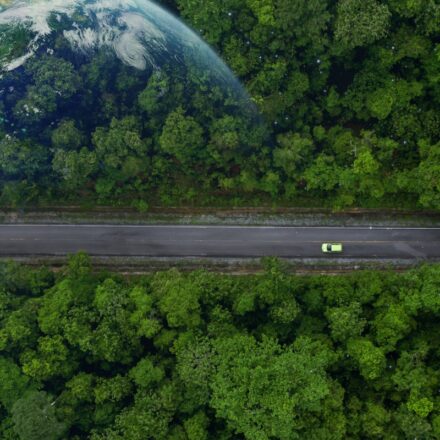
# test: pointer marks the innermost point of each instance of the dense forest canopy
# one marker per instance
(202, 356)
(349, 90)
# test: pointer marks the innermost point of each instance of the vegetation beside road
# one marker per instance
(200, 355)
(349, 90)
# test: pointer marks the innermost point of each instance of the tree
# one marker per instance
(392, 325)
(150, 416)
(293, 153)
(323, 174)
(13, 383)
(114, 338)
(425, 14)
(346, 322)
(182, 137)
(75, 168)
(113, 389)
(50, 360)
(35, 418)
(145, 374)
(229, 138)
(21, 160)
(195, 367)
(200, 355)
(369, 358)
(375, 420)
(262, 390)
(210, 17)
(20, 329)
(67, 136)
(143, 317)
(121, 149)
(178, 299)
(196, 427)
(305, 22)
(54, 82)
(427, 175)
(264, 10)
(154, 99)
(360, 22)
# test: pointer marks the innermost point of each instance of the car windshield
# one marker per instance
(329, 247)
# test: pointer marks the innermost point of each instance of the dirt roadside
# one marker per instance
(217, 216)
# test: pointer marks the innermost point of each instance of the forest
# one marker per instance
(199, 355)
(348, 90)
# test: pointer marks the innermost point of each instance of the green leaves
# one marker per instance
(369, 358)
(67, 136)
(144, 317)
(34, 417)
(75, 168)
(145, 374)
(262, 390)
(427, 177)
(13, 383)
(54, 82)
(346, 322)
(182, 137)
(51, 359)
(264, 11)
(120, 142)
(157, 98)
(361, 22)
(169, 136)
(392, 325)
(178, 299)
(114, 337)
(21, 160)
(14, 42)
(202, 355)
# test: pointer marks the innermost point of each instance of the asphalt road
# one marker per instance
(218, 241)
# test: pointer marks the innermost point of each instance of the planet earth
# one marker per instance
(140, 33)
(116, 101)
(88, 61)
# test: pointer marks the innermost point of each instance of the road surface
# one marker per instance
(218, 241)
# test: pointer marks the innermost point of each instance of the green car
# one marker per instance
(331, 247)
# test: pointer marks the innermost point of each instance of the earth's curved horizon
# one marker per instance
(139, 34)
(138, 31)
(99, 91)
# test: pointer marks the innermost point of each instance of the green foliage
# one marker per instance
(67, 136)
(200, 355)
(75, 168)
(49, 360)
(370, 359)
(21, 160)
(262, 390)
(34, 417)
(182, 137)
(178, 300)
(13, 41)
(346, 322)
(361, 22)
(13, 383)
(154, 98)
(196, 427)
(347, 91)
(54, 82)
(121, 147)
(145, 374)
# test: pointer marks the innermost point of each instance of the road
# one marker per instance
(218, 241)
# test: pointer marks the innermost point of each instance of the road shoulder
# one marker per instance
(217, 216)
